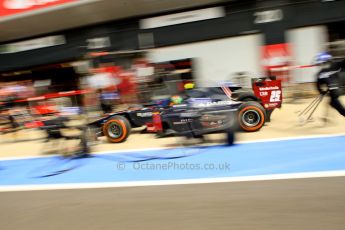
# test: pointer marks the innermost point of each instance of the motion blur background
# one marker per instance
(103, 56)
(48, 45)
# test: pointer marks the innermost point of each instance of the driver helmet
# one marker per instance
(175, 100)
(322, 58)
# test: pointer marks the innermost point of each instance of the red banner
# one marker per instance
(277, 55)
(13, 7)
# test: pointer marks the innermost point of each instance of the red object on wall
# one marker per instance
(270, 93)
(14, 7)
(277, 55)
(274, 60)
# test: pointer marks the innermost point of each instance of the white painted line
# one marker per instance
(25, 157)
(22, 188)
(164, 148)
(291, 138)
(134, 150)
(100, 152)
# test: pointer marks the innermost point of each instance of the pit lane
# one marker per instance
(267, 204)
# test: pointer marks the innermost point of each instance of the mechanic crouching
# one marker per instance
(54, 126)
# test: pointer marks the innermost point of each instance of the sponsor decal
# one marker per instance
(206, 102)
(269, 88)
(184, 17)
(98, 43)
(272, 105)
(268, 16)
(187, 114)
(33, 44)
(183, 121)
(215, 103)
(148, 114)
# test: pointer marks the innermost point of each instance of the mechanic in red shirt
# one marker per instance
(127, 88)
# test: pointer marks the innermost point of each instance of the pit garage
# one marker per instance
(218, 60)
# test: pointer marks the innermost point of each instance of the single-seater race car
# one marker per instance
(214, 106)
(215, 113)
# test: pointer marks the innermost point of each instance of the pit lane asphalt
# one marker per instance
(315, 204)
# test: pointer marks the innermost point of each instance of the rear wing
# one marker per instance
(269, 91)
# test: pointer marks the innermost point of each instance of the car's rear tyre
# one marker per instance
(117, 129)
(251, 116)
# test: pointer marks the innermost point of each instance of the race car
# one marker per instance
(250, 113)
(209, 110)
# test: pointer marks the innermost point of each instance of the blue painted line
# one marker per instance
(279, 157)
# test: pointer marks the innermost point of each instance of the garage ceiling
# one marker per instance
(88, 12)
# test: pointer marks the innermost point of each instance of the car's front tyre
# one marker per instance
(117, 129)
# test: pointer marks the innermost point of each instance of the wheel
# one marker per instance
(117, 129)
(251, 116)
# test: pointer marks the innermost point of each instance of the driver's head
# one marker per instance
(323, 59)
(176, 99)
